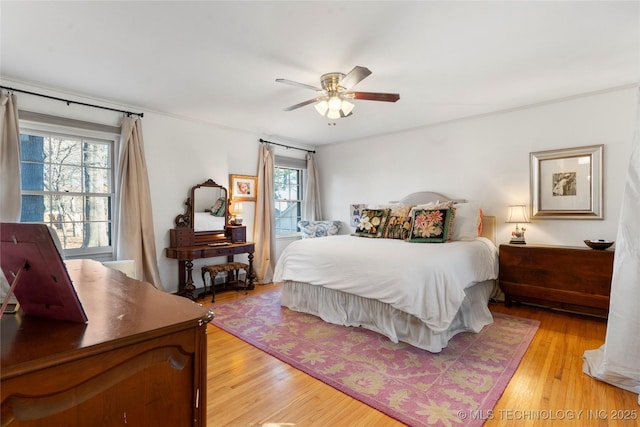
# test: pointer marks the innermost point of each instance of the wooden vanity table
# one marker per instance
(201, 234)
(186, 254)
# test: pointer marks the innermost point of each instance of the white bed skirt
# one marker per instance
(351, 310)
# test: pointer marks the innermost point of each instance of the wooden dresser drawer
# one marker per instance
(179, 237)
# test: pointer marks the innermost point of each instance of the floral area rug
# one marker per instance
(456, 387)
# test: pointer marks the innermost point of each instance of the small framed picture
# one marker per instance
(355, 212)
(567, 183)
(243, 187)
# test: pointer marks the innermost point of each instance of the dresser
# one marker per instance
(141, 359)
(570, 278)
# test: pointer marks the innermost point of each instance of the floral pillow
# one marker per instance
(372, 223)
(310, 229)
(398, 227)
(431, 225)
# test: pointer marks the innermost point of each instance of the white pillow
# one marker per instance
(465, 221)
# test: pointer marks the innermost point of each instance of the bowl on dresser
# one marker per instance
(599, 244)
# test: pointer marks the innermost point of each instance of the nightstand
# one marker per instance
(569, 278)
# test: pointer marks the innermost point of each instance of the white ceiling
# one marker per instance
(217, 62)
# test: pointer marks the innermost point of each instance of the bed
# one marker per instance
(419, 293)
(205, 221)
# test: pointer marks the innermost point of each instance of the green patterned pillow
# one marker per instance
(431, 225)
(398, 227)
(219, 208)
(372, 222)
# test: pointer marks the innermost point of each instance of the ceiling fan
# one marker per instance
(334, 95)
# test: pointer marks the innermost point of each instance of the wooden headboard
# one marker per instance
(489, 228)
(422, 197)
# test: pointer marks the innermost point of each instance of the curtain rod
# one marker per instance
(287, 146)
(68, 101)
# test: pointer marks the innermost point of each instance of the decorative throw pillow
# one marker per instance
(431, 225)
(310, 229)
(397, 209)
(218, 207)
(372, 223)
(435, 205)
(398, 227)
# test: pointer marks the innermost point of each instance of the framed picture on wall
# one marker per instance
(567, 183)
(243, 187)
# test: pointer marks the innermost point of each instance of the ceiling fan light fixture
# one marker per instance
(333, 114)
(335, 103)
(322, 107)
(347, 107)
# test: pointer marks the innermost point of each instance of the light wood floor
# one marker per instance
(247, 387)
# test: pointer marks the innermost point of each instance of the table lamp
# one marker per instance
(236, 219)
(517, 215)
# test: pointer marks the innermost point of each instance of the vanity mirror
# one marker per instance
(207, 210)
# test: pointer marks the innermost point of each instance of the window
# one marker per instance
(288, 199)
(68, 183)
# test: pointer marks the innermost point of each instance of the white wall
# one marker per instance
(487, 159)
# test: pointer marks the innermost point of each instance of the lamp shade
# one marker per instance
(334, 107)
(238, 208)
(517, 214)
(322, 107)
(347, 107)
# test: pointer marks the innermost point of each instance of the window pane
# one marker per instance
(61, 208)
(32, 208)
(32, 148)
(64, 179)
(64, 150)
(97, 180)
(32, 176)
(96, 154)
(97, 208)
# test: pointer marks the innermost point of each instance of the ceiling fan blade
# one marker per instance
(375, 96)
(302, 104)
(354, 77)
(292, 83)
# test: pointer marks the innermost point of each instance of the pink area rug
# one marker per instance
(457, 387)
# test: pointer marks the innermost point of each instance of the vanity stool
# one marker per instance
(229, 267)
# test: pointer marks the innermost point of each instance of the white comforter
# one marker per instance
(204, 221)
(426, 280)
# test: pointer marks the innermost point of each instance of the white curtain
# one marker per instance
(10, 197)
(136, 239)
(312, 210)
(264, 223)
(618, 361)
